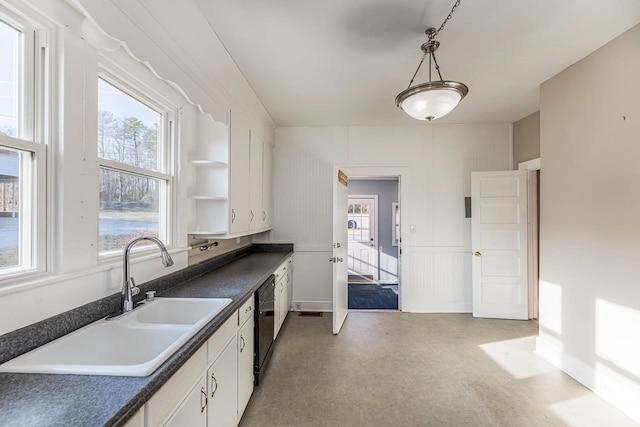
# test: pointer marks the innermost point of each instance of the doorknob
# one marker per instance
(477, 253)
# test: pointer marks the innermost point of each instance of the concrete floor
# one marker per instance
(400, 369)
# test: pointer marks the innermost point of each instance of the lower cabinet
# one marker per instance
(222, 379)
(214, 386)
(245, 365)
(193, 410)
(282, 294)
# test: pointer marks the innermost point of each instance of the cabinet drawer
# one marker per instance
(246, 310)
(282, 270)
(221, 337)
(169, 397)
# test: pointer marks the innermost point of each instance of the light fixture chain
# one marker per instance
(455, 6)
(417, 69)
(433, 55)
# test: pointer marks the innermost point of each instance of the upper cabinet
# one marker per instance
(239, 175)
(256, 177)
(267, 185)
(233, 179)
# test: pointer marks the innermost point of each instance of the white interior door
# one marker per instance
(340, 289)
(499, 244)
(362, 234)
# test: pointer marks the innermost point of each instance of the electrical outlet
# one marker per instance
(380, 248)
(238, 240)
(298, 306)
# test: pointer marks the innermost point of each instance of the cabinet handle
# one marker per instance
(251, 212)
(203, 394)
(287, 277)
(248, 309)
(233, 215)
(214, 384)
(242, 343)
(264, 215)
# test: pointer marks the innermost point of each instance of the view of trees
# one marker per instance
(127, 140)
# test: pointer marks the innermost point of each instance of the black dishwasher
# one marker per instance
(264, 324)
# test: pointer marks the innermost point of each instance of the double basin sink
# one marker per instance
(134, 344)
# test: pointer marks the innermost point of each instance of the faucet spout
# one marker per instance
(129, 288)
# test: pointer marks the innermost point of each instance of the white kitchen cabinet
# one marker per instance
(214, 386)
(277, 309)
(282, 294)
(163, 405)
(222, 388)
(239, 174)
(267, 185)
(229, 184)
(255, 191)
(245, 365)
(210, 162)
(289, 282)
(192, 411)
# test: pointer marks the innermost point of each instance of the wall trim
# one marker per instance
(621, 392)
(445, 307)
(530, 165)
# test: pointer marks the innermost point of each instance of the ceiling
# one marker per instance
(338, 62)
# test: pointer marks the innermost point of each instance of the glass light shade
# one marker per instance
(429, 101)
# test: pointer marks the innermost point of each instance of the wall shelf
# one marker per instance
(211, 163)
(206, 197)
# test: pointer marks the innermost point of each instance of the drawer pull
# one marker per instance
(214, 384)
(203, 394)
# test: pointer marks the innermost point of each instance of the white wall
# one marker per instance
(171, 41)
(437, 160)
(589, 227)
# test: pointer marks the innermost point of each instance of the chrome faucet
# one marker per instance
(129, 288)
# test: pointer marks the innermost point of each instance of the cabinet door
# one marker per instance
(290, 284)
(255, 209)
(239, 179)
(276, 309)
(245, 365)
(193, 409)
(267, 185)
(222, 378)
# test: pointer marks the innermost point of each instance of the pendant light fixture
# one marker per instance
(434, 99)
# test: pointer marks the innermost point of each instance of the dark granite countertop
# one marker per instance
(88, 400)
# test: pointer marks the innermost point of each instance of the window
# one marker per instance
(22, 152)
(135, 182)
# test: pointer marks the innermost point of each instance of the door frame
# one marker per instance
(376, 275)
(402, 173)
(532, 167)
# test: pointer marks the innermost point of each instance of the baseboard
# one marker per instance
(613, 387)
(451, 307)
(312, 305)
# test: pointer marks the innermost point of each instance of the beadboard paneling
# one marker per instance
(437, 161)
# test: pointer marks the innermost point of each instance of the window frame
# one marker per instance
(32, 136)
(125, 81)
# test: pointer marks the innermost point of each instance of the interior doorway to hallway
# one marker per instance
(373, 229)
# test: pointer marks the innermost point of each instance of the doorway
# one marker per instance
(373, 246)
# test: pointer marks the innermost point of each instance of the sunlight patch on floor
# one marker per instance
(590, 411)
(517, 357)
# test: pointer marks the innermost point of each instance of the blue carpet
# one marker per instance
(372, 296)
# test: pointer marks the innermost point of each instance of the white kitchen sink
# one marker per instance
(132, 345)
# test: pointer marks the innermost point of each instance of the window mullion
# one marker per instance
(133, 170)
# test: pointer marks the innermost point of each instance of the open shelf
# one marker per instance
(206, 197)
(205, 162)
